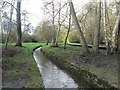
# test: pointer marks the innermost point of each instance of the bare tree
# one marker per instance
(50, 8)
(51, 12)
(53, 23)
(59, 25)
(60, 21)
(114, 38)
(10, 23)
(80, 33)
(68, 29)
(105, 11)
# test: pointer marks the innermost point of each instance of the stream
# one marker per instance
(52, 76)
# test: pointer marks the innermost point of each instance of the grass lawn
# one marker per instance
(104, 66)
(19, 67)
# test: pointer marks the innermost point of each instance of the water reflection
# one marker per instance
(52, 76)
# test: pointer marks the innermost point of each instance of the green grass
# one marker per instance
(61, 52)
(31, 46)
(22, 64)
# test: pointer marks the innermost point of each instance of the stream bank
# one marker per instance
(19, 69)
(66, 60)
(52, 76)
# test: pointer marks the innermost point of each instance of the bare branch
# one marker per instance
(85, 15)
(60, 9)
(9, 4)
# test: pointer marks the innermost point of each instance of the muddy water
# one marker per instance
(52, 76)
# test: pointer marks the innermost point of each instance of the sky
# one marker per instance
(35, 8)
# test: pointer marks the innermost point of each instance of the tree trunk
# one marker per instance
(68, 30)
(19, 32)
(115, 33)
(118, 38)
(97, 32)
(118, 35)
(80, 33)
(110, 30)
(53, 38)
(1, 25)
(114, 37)
(105, 26)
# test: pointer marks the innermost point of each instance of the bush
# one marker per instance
(2, 39)
(73, 37)
(29, 38)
